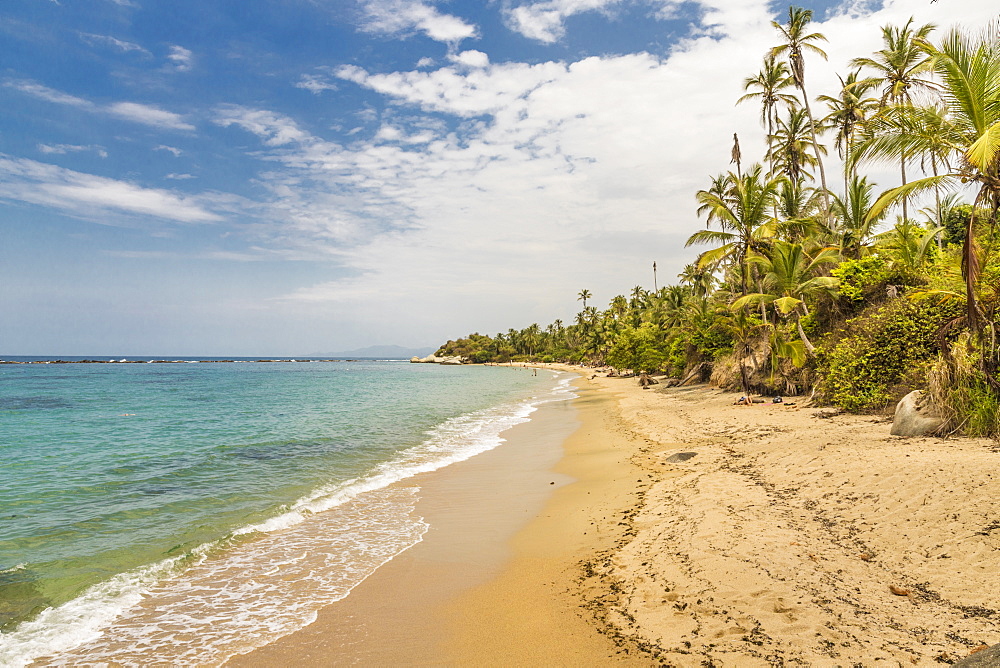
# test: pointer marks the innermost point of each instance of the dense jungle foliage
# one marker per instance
(804, 286)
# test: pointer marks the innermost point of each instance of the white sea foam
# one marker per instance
(266, 585)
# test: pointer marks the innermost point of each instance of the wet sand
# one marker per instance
(434, 604)
(685, 531)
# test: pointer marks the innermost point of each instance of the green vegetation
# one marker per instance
(802, 289)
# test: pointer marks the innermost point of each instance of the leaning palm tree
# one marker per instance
(897, 71)
(968, 69)
(770, 84)
(797, 41)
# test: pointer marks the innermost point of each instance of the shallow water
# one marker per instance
(147, 505)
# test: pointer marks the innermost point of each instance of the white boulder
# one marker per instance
(914, 416)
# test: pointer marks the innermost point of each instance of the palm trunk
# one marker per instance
(815, 143)
(902, 172)
(802, 334)
(937, 202)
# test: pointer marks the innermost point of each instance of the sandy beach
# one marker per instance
(676, 528)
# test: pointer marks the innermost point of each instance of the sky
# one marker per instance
(288, 177)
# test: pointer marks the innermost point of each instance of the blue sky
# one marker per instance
(294, 176)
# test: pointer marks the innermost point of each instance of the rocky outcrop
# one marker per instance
(914, 416)
(434, 359)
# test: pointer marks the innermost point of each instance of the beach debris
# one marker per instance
(697, 374)
(645, 380)
(866, 556)
(680, 457)
(914, 417)
(899, 591)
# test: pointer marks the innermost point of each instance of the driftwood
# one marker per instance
(696, 373)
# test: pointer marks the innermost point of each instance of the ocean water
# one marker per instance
(179, 514)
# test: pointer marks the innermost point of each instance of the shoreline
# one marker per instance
(791, 535)
(399, 615)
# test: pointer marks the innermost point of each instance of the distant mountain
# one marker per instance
(381, 352)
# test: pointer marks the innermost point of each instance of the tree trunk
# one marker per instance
(902, 172)
(937, 200)
(819, 159)
(802, 334)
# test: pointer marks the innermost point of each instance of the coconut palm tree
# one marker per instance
(698, 280)
(745, 332)
(791, 150)
(797, 42)
(897, 71)
(968, 69)
(856, 227)
(790, 277)
(848, 112)
(584, 296)
(770, 83)
(797, 206)
(742, 211)
(908, 245)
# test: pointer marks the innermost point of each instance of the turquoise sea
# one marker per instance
(182, 513)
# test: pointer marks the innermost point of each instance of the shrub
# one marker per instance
(962, 395)
(636, 348)
(863, 365)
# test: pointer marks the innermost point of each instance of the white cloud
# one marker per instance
(562, 175)
(179, 177)
(456, 91)
(315, 83)
(113, 42)
(94, 197)
(148, 115)
(169, 149)
(182, 59)
(62, 149)
(543, 21)
(274, 129)
(470, 59)
(49, 94)
(394, 17)
(131, 111)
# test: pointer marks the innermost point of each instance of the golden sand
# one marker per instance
(790, 537)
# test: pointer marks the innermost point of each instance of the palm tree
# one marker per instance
(584, 296)
(856, 226)
(908, 244)
(848, 113)
(790, 277)
(797, 41)
(742, 212)
(969, 72)
(745, 331)
(790, 151)
(772, 79)
(897, 69)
